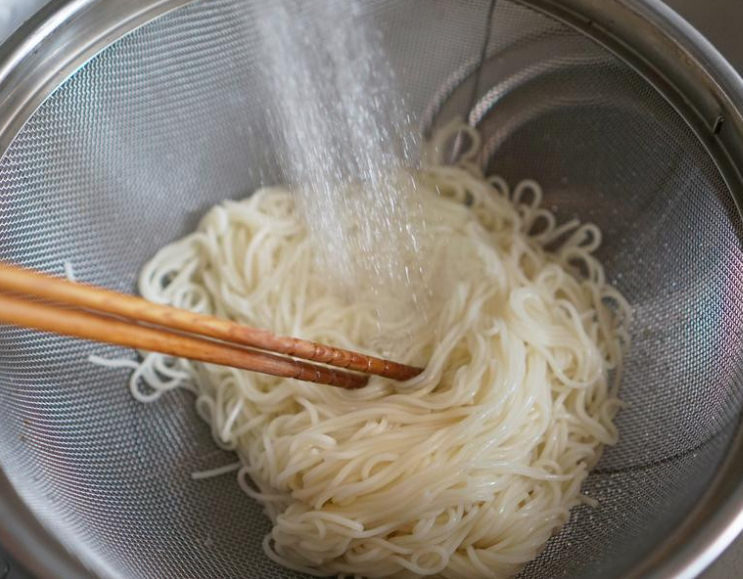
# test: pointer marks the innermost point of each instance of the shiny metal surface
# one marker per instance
(13, 13)
(174, 109)
(721, 27)
(61, 38)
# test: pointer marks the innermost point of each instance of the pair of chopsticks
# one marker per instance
(133, 322)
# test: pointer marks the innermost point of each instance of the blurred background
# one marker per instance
(719, 20)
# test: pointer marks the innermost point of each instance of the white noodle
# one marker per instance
(462, 472)
(113, 363)
(69, 272)
(214, 472)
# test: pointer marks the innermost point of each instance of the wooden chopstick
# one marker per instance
(49, 318)
(24, 281)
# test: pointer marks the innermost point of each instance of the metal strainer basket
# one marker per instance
(121, 122)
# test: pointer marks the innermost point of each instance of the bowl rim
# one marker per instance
(707, 92)
(673, 56)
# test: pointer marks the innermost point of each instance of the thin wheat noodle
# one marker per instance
(462, 472)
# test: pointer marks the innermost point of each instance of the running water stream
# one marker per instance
(348, 145)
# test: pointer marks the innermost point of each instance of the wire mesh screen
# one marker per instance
(129, 153)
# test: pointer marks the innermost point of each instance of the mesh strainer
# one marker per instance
(121, 122)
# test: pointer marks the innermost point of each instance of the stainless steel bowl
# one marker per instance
(111, 110)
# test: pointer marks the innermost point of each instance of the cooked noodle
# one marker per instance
(464, 471)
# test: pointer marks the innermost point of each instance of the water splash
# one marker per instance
(347, 145)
